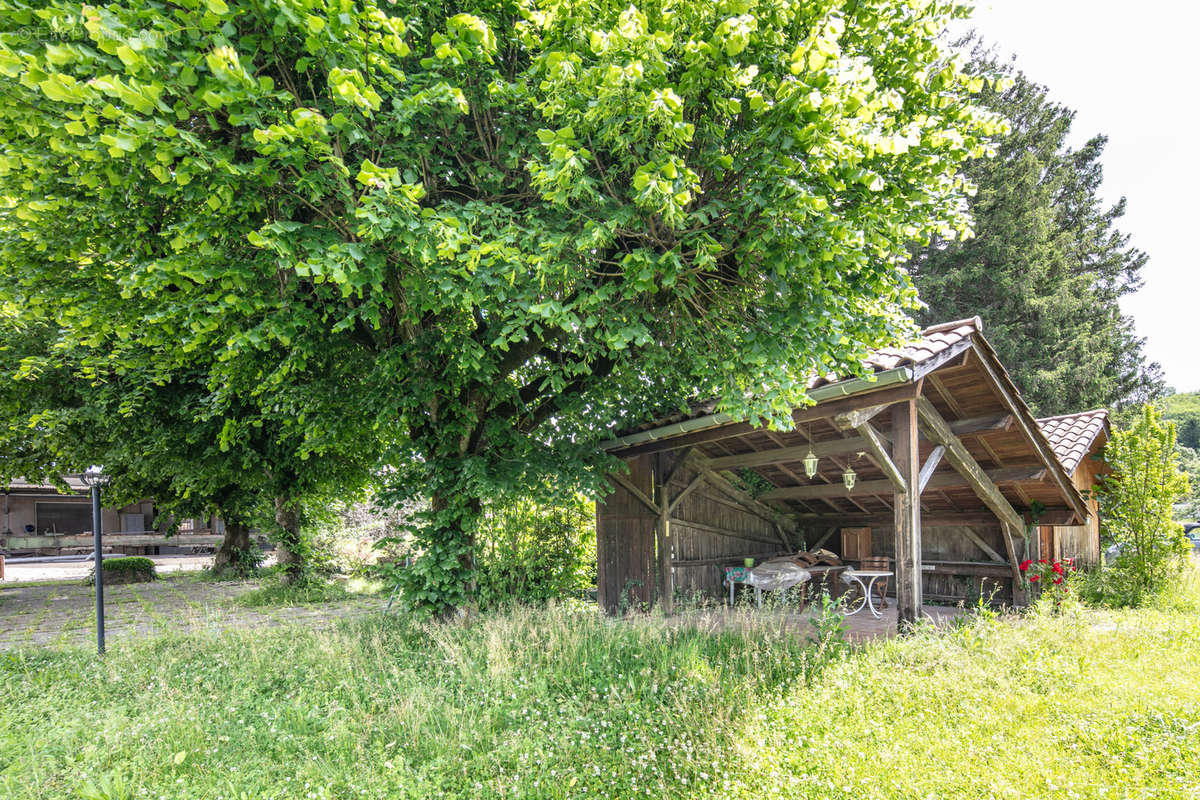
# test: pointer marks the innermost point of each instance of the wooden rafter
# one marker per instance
(978, 425)
(931, 519)
(1028, 425)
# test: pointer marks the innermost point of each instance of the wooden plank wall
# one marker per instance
(721, 534)
(708, 531)
(1081, 542)
(625, 550)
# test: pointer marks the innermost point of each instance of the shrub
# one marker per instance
(1136, 510)
(125, 570)
(529, 552)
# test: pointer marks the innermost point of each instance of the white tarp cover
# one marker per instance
(778, 573)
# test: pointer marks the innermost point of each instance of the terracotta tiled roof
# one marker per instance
(934, 341)
(1071, 435)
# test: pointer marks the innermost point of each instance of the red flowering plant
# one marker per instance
(1051, 576)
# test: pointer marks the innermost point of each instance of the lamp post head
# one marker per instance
(95, 476)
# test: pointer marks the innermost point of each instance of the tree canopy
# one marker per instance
(197, 449)
(513, 223)
(1047, 264)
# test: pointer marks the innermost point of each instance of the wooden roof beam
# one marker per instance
(753, 505)
(931, 519)
(1029, 426)
(785, 455)
(830, 408)
(948, 480)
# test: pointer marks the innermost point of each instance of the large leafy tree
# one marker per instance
(1047, 264)
(196, 447)
(529, 217)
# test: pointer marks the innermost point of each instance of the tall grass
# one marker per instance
(563, 703)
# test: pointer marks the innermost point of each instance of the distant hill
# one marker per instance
(1184, 411)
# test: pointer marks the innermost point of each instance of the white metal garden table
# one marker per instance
(866, 582)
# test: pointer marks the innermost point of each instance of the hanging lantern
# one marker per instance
(849, 477)
(810, 463)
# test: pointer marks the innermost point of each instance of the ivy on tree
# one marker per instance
(532, 220)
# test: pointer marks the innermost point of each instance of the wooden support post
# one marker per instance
(907, 512)
(1019, 596)
(666, 582)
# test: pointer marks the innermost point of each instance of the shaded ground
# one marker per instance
(63, 613)
(858, 627)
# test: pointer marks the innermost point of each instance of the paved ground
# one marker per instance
(70, 570)
(63, 612)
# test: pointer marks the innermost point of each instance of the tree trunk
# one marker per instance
(288, 552)
(234, 547)
(442, 579)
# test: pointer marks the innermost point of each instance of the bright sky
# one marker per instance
(1128, 69)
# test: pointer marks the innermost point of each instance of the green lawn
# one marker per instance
(565, 703)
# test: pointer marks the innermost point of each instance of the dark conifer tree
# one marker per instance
(1047, 264)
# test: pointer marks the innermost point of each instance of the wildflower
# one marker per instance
(1033, 578)
(1058, 580)
(1058, 568)
(1024, 565)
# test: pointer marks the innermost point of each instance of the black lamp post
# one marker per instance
(95, 478)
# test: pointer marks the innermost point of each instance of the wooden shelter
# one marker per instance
(1078, 441)
(948, 464)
